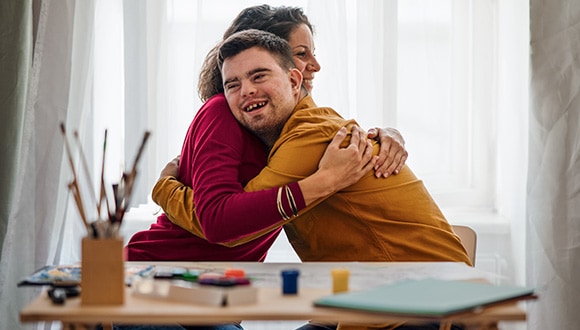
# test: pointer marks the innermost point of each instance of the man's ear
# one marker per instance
(295, 79)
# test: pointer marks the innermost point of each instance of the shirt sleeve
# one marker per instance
(294, 157)
(296, 154)
(176, 200)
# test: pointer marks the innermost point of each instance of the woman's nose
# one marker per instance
(313, 65)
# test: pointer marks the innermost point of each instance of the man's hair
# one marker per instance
(281, 21)
(243, 40)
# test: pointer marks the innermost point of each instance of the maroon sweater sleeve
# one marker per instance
(219, 157)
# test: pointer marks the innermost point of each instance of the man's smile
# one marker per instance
(255, 106)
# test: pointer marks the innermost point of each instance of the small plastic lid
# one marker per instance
(235, 272)
(290, 272)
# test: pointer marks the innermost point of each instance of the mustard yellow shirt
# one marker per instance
(376, 219)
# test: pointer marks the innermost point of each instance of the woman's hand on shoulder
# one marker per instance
(392, 154)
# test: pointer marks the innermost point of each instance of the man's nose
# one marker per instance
(248, 89)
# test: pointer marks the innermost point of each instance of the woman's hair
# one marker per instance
(281, 21)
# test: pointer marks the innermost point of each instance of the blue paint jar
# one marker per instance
(290, 281)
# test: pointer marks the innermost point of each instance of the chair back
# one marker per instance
(468, 238)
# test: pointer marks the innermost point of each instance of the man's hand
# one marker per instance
(351, 163)
(171, 169)
(392, 154)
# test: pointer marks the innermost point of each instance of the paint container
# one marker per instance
(290, 281)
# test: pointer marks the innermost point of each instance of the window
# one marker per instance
(428, 68)
(445, 84)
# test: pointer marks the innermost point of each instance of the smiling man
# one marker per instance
(393, 219)
(278, 82)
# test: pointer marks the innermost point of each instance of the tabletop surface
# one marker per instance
(314, 282)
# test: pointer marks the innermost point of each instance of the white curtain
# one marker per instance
(553, 199)
(43, 227)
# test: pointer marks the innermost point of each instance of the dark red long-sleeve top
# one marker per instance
(217, 159)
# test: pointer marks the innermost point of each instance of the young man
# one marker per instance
(393, 219)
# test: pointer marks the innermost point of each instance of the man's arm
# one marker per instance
(173, 197)
(176, 200)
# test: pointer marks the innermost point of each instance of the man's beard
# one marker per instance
(268, 134)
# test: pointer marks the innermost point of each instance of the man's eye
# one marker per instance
(231, 86)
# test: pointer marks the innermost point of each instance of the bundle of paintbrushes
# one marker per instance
(109, 218)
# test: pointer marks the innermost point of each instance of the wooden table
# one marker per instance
(315, 281)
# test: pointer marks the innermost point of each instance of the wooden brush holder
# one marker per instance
(102, 272)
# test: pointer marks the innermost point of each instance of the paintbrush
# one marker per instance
(103, 193)
(86, 170)
(73, 186)
(127, 181)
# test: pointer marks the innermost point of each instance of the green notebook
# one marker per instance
(429, 297)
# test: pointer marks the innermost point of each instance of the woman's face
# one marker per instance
(302, 44)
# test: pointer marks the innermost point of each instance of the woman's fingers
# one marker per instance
(392, 153)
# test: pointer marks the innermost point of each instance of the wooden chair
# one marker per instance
(468, 238)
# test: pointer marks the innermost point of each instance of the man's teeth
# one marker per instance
(255, 106)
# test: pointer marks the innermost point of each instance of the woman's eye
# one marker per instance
(300, 54)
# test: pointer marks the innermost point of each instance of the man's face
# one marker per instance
(261, 94)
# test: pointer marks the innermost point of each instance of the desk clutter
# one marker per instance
(65, 281)
(208, 285)
(188, 292)
(70, 275)
(228, 287)
(214, 292)
(212, 288)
